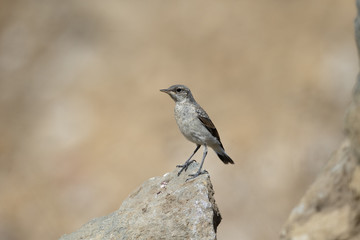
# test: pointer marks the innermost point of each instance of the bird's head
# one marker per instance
(179, 93)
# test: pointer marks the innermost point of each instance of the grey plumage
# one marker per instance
(195, 124)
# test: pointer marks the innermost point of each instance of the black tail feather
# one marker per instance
(225, 158)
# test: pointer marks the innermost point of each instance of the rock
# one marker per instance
(330, 209)
(164, 207)
(352, 121)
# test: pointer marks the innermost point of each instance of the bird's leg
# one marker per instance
(199, 172)
(188, 162)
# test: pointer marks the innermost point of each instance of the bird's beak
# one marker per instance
(165, 90)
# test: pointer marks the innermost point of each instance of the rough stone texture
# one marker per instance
(330, 209)
(164, 207)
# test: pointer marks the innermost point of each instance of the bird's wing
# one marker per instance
(205, 120)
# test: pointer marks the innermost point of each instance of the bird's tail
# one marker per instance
(222, 155)
(225, 158)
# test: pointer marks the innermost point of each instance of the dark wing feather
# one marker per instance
(205, 120)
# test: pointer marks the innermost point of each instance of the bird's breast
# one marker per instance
(188, 122)
(185, 115)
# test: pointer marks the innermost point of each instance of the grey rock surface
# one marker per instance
(164, 207)
(330, 209)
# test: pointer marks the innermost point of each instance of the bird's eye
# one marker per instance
(178, 89)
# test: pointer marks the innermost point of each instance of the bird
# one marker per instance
(195, 124)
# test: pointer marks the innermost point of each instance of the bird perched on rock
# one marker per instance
(196, 126)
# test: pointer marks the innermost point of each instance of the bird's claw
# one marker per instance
(198, 173)
(185, 166)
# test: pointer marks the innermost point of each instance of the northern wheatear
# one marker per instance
(196, 126)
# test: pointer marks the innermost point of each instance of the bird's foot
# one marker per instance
(198, 173)
(184, 166)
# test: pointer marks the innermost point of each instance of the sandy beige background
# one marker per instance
(82, 121)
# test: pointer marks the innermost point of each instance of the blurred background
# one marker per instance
(82, 121)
